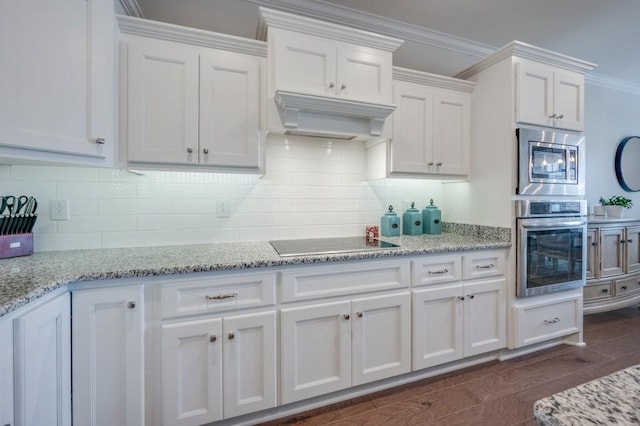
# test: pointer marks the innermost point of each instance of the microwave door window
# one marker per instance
(548, 163)
(553, 257)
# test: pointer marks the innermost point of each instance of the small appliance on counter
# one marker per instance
(390, 224)
(431, 219)
(17, 218)
(412, 221)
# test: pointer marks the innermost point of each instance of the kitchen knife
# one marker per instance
(4, 223)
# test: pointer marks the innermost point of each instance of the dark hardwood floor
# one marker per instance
(494, 393)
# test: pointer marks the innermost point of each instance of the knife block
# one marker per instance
(16, 245)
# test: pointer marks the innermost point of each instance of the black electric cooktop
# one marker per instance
(328, 245)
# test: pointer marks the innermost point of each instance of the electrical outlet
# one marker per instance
(59, 209)
(223, 207)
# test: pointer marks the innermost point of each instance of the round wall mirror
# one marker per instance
(627, 161)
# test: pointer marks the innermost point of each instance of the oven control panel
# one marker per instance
(550, 208)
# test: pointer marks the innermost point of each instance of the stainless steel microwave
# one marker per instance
(550, 162)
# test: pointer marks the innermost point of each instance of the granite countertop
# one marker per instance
(23, 279)
(609, 400)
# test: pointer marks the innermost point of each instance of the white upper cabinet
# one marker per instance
(325, 67)
(57, 82)
(548, 96)
(326, 78)
(188, 105)
(431, 133)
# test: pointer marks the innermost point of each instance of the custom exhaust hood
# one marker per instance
(326, 80)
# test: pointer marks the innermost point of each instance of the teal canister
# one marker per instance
(412, 221)
(431, 219)
(390, 224)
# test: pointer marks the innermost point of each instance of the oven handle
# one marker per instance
(556, 223)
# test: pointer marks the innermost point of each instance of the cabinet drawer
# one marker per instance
(628, 286)
(537, 323)
(223, 293)
(483, 264)
(328, 281)
(597, 291)
(436, 270)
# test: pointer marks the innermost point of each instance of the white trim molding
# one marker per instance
(132, 8)
(433, 80)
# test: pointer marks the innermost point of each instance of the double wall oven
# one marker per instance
(550, 214)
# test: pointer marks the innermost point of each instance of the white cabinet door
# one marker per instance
(593, 258)
(632, 245)
(303, 63)
(412, 133)
(6, 371)
(363, 73)
(192, 372)
(42, 364)
(162, 107)
(611, 251)
(437, 325)
(381, 329)
(568, 97)
(108, 356)
(315, 353)
(229, 109)
(57, 80)
(484, 316)
(452, 132)
(249, 363)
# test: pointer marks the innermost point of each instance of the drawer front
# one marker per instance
(328, 281)
(483, 264)
(538, 323)
(628, 287)
(436, 270)
(597, 291)
(205, 295)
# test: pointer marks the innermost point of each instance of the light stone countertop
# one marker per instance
(24, 279)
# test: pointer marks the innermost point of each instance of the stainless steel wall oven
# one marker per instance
(551, 246)
(550, 163)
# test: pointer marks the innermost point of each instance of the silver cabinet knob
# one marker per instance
(213, 338)
(343, 86)
(332, 85)
(131, 305)
(560, 117)
(205, 151)
(553, 321)
(460, 297)
(189, 150)
(100, 141)
(359, 314)
(232, 335)
(430, 163)
(552, 115)
(470, 296)
(346, 316)
(439, 163)
(605, 290)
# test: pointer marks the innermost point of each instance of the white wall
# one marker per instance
(610, 116)
(311, 189)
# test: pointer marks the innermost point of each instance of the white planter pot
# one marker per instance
(614, 211)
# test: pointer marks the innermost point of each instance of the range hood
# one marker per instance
(323, 116)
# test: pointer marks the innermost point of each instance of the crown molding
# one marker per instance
(527, 51)
(132, 8)
(433, 80)
(288, 21)
(613, 83)
(329, 12)
(180, 34)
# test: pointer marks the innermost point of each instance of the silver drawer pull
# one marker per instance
(489, 266)
(222, 296)
(213, 338)
(553, 321)
(131, 305)
(440, 272)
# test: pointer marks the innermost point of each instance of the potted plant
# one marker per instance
(614, 206)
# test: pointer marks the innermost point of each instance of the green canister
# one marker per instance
(412, 221)
(431, 219)
(390, 224)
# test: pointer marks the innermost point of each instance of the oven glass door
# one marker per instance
(552, 163)
(552, 257)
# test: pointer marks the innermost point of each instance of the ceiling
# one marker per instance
(447, 36)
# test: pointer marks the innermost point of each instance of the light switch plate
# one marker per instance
(59, 209)
(223, 208)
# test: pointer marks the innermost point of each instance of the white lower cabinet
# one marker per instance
(218, 368)
(455, 321)
(6, 371)
(330, 346)
(42, 364)
(108, 356)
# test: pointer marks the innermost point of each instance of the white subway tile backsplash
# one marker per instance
(312, 188)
